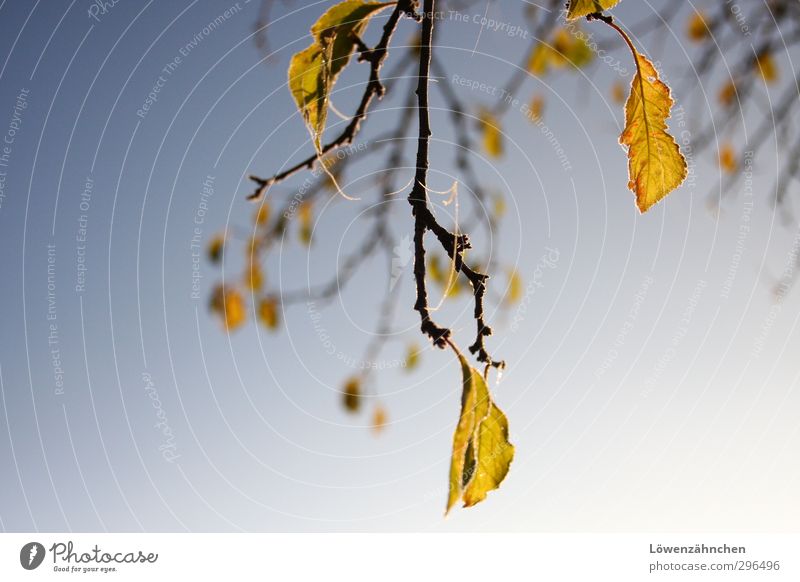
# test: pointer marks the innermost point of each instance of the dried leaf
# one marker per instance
(580, 8)
(215, 248)
(656, 166)
(482, 453)
(351, 394)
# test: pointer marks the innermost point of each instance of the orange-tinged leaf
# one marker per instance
(268, 313)
(580, 8)
(536, 108)
(229, 304)
(727, 159)
(656, 166)
(697, 29)
(253, 277)
(262, 214)
(379, 419)
(767, 67)
(351, 394)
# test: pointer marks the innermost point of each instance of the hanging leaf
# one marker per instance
(580, 8)
(536, 108)
(310, 83)
(412, 357)
(313, 71)
(516, 289)
(262, 214)
(344, 22)
(767, 67)
(482, 453)
(268, 313)
(306, 218)
(727, 95)
(351, 394)
(492, 136)
(656, 166)
(697, 30)
(253, 277)
(215, 248)
(379, 419)
(727, 159)
(539, 61)
(229, 304)
(565, 47)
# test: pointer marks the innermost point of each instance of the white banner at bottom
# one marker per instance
(389, 557)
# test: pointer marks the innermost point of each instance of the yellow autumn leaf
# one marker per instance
(580, 8)
(482, 453)
(568, 48)
(229, 304)
(727, 159)
(499, 207)
(656, 166)
(313, 71)
(492, 136)
(539, 61)
(379, 419)
(268, 313)
(262, 214)
(412, 357)
(536, 108)
(565, 47)
(767, 67)
(351, 394)
(310, 83)
(215, 248)
(253, 277)
(306, 217)
(697, 29)
(516, 289)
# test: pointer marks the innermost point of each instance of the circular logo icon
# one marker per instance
(31, 555)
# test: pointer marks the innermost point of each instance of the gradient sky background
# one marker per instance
(687, 426)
